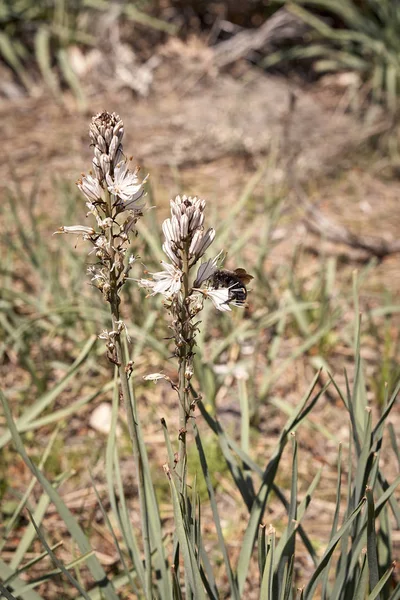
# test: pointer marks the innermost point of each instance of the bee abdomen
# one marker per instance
(223, 278)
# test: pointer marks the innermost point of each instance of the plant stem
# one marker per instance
(183, 391)
(130, 413)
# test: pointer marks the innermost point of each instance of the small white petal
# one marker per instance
(220, 299)
(155, 377)
(124, 184)
(206, 270)
(167, 230)
(171, 254)
(166, 282)
(105, 163)
(77, 229)
(195, 241)
(197, 220)
(202, 243)
(91, 188)
(175, 228)
(184, 227)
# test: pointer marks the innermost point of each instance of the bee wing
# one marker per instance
(243, 276)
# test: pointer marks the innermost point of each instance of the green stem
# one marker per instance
(183, 392)
(130, 413)
(184, 403)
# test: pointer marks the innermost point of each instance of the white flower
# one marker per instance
(206, 270)
(78, 230)
(166, 282)
(220, 298)
(170, 229)
(200, 242)
(156, 377)
(124, 184)
(91, 188)
(167, 247)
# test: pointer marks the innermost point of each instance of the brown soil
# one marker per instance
(207, 134)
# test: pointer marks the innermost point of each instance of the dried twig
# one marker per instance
(314, 219)
(282, 25)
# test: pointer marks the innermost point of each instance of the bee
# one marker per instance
(235, 281)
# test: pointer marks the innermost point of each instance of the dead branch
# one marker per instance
(317, 222)
(283, 25)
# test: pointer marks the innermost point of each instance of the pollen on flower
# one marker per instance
(167, 282)
(124, 183)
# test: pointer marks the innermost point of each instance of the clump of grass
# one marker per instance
(362, 39)
(170, 559)
(36, 38)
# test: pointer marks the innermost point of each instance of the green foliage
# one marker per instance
(364, 39)
(35, 38)
(355, 562)
(38, 33)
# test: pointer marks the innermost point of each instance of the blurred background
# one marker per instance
(284, 117)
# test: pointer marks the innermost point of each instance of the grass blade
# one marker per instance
(74, 528)
(309, 590)
(374, 595)
(372, 542)
(191, 568)
(58, 563)
(211, 495)
(48, 398)
(17, 584)
(266, 592)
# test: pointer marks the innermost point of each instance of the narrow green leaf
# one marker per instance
(259, 503)
(378, 429)
(226, 444)
(7, 574)
(262, 548)
(176, 587)
(9, 54)
(325, 583)
(43, 57)
(244, 415)
(232, 580)
(287, 587)
(164, 581)
(374, 595)
(114, 537)
(29, 533)
(58, 563)
(266, 592)
(393, 442)
(121, 514)
(371, 541)
(365, 460)
(74, 528)
(309, 590)
(171, 456)
(396, 593)
(24, 499)
(48, 398)
(285, 549)
(63, 413)
(71, 78)
(30, 563)
(189, 557)
(362, 583)
(6, 593)
(391, 498)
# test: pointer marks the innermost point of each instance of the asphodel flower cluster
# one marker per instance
(114, 197)
(186, 242)
(184, 283)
